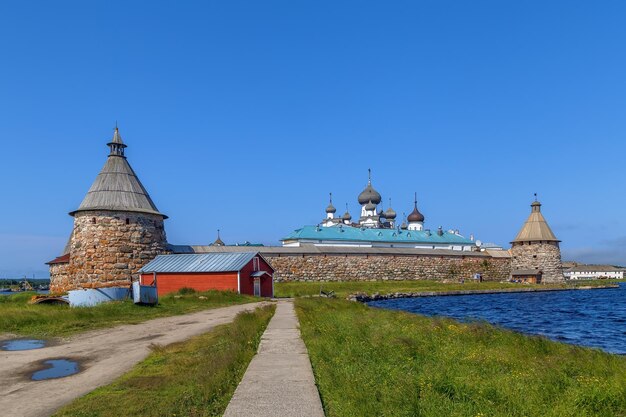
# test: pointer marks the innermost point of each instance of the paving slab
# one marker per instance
(279, 380)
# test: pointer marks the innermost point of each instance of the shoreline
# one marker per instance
(365, 298)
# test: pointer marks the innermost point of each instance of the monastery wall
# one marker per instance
(309, 267)
(108, 248)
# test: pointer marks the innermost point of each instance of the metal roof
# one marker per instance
(117, 187)
(357, 234)
(536, 228)
(205, 262)
(594, 268)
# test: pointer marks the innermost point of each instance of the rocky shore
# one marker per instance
(364, 297)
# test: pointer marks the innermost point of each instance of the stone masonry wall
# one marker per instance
(108, 248)
(545, 257)
(58, 272)
(382, 267)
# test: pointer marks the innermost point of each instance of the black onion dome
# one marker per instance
(346, 216)
(415, 215)
(369, 194)
(390, 213)
(404, 226)
(330, 208)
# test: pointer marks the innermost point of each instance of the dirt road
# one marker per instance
(103, 356)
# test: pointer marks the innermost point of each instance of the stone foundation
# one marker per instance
(108, 248)
(542, 256)
(386, 267)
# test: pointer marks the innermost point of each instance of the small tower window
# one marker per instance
(127, 220)
(93, 220)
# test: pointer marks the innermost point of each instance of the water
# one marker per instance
(43, 292)
(58, 369)
(595, 318)
(22, 344)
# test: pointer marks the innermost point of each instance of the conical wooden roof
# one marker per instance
(536, 228)
(117, 187)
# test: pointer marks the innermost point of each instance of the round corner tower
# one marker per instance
(117, 229)
(535, 250)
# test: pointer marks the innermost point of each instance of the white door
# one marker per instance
(257, 287)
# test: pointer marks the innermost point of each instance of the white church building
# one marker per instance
(376, 228)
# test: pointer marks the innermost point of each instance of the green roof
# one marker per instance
(356, 234)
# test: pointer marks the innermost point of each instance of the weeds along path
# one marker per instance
(103, 355)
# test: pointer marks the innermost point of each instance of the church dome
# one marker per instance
(390, 213)
(415, 216)
(330, 208)
(404, 226)
(370, 206)
(369, 194)
(346, 216)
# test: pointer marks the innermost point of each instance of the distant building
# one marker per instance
(535, 252)
(594, 272)
(376, 228)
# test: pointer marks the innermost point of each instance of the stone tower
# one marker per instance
(117, 230)
(536, 249)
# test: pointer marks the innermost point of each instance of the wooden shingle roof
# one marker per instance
(117, 187)
(536, 228)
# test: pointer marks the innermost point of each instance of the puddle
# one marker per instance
(22, 344)
(58, 369)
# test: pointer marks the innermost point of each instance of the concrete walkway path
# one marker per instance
(103, 356)
(279, 380)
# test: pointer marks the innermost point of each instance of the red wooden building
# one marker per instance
(243, 272)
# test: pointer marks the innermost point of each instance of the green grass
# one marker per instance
(192, 378)
(45, 321)
(343, 289)
(373, 362)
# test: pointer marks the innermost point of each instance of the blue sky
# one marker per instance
(244, 115)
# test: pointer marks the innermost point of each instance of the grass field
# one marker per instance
(45, 321)
(343, 289)
(192, 378)
(373, 362)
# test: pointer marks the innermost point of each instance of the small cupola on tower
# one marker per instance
(404, 226)
(390, 215)
(536, 256)
(416, 219)
(116, 145)
(218, 241)
(347, 217)
(330, 210)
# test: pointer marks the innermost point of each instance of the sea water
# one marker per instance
(595, 318)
